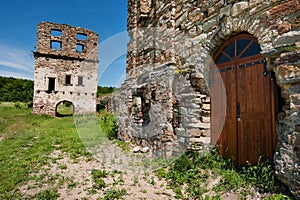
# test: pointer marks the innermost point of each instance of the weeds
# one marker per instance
(193, 170)
(98, 176)
(114, 194)
(47, 194)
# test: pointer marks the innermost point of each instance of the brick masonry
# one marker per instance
(165, 98)
(66, 68)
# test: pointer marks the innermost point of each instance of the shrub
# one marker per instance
(109, 125)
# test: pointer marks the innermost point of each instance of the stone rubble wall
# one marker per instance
(168, 61)
(51, 63)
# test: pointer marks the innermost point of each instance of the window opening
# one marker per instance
(51, 85)
(254, 49)
(68, 80)
(81, 36)
(241, 46)
(79, 48)
(56, 32)
(56, 45)
(80, 80)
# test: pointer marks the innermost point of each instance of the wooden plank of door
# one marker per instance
(255, 127)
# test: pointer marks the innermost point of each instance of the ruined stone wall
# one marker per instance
(72, 63)
(166, 93)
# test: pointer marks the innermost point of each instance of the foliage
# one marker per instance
(15, 90)
(258, 174)
(109, 125)
(102, 90)
(193, 170)
(277, 197)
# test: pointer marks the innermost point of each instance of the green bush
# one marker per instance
(109, 125)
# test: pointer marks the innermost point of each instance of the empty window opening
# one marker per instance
(81, 36)
(56, 32)
(51, 85)
(68, 80)
(80, 80)
(79, 48)
(56, 45)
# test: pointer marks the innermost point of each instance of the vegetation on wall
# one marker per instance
(15, 90)
(104, 90)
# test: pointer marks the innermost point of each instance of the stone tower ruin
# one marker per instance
(196, 74)
(66, 68)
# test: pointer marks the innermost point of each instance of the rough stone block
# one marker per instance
(238, 8)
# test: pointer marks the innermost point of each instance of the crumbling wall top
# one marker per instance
(66, 41)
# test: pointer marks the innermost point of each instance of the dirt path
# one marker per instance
(125, 175)
(73, 178)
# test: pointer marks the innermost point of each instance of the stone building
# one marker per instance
(208, 73)
(66, 68)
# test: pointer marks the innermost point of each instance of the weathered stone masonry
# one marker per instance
(166, 93)
(66, 68)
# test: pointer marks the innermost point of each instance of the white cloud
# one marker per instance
(16, 59)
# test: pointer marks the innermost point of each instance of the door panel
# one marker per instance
(254, 129)
(249, 128)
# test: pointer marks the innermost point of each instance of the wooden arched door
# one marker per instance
(249, 127)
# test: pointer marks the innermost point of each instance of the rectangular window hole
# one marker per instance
(51, 85)
(56, 32)
(79, 48)
(81, 36)
(56, 45)
(68, 80)
(80, 80)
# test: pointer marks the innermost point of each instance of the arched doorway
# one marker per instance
(249, 127)
(64, 109)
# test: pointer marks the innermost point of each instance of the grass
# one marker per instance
(194, 171)
(27, 140)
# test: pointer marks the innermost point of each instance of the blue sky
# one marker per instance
(19, 20)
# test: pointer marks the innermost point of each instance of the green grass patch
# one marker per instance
(26, 142)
